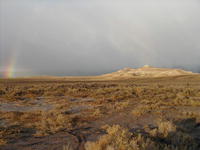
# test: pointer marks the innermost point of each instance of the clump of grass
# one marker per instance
(164, 129)
(52, 122)
(2, 141)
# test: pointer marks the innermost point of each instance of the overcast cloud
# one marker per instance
(90, 37)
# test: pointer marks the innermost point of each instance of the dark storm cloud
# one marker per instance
(87, 37)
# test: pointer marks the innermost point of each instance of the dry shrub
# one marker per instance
(143, 109)
(138, 91)
(186, 102)
(173, 138)
(51, 122)
(2, 140)
(121, 105)
(119, 138)
(190, 114)
(166, 127)
(2, 92)
(139, 111)
(164, 137)
(23, 118)
(97, 112)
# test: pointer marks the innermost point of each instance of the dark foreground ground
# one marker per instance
(89, 114)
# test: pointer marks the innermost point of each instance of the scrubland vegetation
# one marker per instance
(165, 136)
(134, 114)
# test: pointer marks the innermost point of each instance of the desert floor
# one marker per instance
(97, 114)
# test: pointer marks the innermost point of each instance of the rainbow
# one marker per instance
(10, 69)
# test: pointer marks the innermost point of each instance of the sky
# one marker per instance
(92, 37)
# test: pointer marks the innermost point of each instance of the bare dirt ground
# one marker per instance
(83, 114)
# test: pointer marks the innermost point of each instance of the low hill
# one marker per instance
(147, 71)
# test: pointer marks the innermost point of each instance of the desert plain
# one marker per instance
(145, 109)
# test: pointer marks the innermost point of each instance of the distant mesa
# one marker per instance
(147, 71)
(146, 66)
